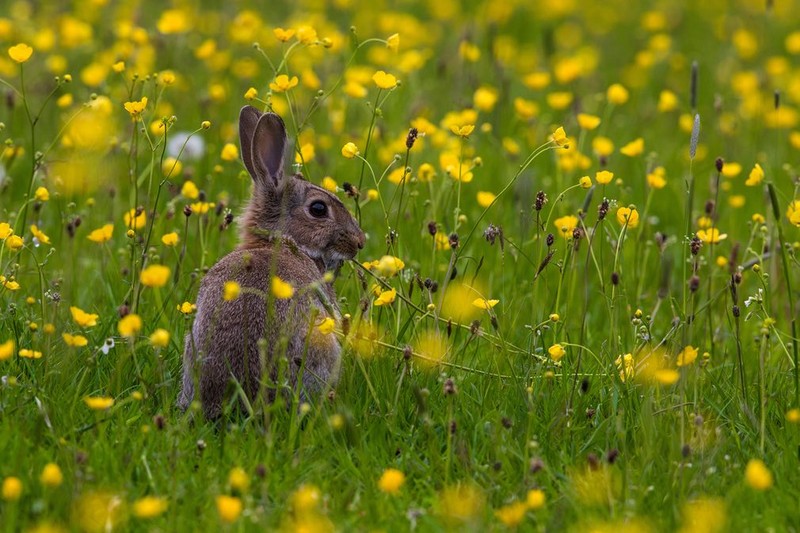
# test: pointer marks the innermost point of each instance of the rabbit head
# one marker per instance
(312, 217)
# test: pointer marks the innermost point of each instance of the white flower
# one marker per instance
(195, 146)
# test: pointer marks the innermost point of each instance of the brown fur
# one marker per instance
(280, 237)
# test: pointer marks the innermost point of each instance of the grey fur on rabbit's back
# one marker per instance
(291, 229)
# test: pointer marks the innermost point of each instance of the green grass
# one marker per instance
(658, 448)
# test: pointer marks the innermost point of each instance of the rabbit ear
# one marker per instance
(248, 119)
(268, 146)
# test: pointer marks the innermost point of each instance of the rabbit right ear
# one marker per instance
(269, 144)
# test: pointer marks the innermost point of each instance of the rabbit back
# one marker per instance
(225, 337)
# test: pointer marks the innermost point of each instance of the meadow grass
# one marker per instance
(576, 307)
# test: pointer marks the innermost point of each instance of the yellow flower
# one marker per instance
(82, 318)
(626, 366)
(566, 225)
(189, 190)
(15, 242)
(20, 52)
(711, 235)
(305, 155)
(633, 148)
(6, 350)
(186, 308)
(251, 94)
(463, 131)
(666, 376)
(231, 290)
(588, 122)
(118, 67)
(535, 499)
(12, 489)
(687, 356)
(229, 508)
(159, 338)
(283, 35)
(559, 100)
(667, 101)
(556, 352)
(384, 80)
(9, 284)
(758, 475)
(731, 169)
(657, 178)
(201, 208)
(5, 230)
(76, 341)
(391, 481)
(101, 235)
(602, 146)
(329, 184)
(136, 107)
(42, 194)
(170, 239)
(393, 42)
(173, 21)
(154, 276)
(283, 83)
(756, 176)
(350, 150)
(282, 290)
(229, 152)
(129, 325)
(39, 234)
(99, 403)
(485, 199)
(238, 479)
(604, 177)
(150, 507)
(30, 354)
(617, 94)
(485, 98)
(306, 35)
(482, 303)
(511, 515)
(327, 325)
(793, 212)
(585, 182)
(627, 216)
(134, 221)
(386, 297)
(51, 475)
(560, 137)
(793, 415)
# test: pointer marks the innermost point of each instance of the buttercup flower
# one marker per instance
(391, 481)
(136, 108)
(20, 52)
(99, 403)
(628, 217)
(384, 80)
(560, 137)
(482, 303)
(154, 276)
(282, 290)
(350, 150)
(283, 83)
(101, 235)
(129, 325)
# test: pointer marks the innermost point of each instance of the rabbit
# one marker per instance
(291, 229)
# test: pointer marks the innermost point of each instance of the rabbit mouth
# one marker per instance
(327, 262)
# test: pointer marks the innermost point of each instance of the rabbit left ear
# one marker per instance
(267, 149)
(248, 119)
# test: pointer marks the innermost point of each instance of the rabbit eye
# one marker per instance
(318, 209)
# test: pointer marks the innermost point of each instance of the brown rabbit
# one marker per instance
(291, 229)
